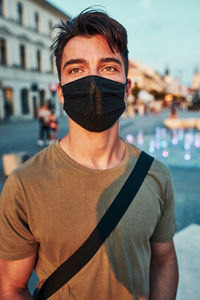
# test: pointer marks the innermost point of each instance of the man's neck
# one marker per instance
(93, 150)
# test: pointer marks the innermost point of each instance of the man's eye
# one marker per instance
(109, 69)
(75, 71)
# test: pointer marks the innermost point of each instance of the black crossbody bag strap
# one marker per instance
(106, 225)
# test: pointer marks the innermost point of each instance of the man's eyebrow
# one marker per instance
(74, 61)
(110, 59)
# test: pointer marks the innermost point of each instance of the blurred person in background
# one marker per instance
(51, 204)
(53, 127)
(174, 109)
(43, 118)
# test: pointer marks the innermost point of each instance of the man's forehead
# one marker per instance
(88, 45)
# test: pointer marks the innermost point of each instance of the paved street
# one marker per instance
(22, 136)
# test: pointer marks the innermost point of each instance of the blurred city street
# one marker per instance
(19, 136)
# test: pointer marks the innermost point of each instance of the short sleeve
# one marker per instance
(16, 239)
(166, 226)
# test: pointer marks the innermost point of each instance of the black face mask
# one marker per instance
(94, 102)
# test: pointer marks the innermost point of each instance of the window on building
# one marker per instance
(8, 102)
(23, 56)
(42, 97)
(36, 22)
(24, 102)
(3, 59)
(1, 7)
(39, 60)
(20, 13)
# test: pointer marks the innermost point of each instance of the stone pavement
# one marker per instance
(22, 136)
(187, 243)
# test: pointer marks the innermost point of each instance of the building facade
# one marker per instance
(28, 75)
(146, 78)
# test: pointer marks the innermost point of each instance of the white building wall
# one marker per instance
(12, 11)
(17, 52)
(31, 59)
(13, 56)
(8, 8)
(1, 105)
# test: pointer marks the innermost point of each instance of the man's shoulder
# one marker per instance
(37, 164)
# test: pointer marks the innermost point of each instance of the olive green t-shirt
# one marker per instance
(51, 204)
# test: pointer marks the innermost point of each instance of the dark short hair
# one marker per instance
(89, 23)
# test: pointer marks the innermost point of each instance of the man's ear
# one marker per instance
(127, 89)
(60, 94)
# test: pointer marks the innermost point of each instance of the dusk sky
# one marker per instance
(161, 33)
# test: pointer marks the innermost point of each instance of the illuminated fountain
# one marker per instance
(177, 147)
(197, 140)
(140, 138)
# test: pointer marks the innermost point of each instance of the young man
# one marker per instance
(53, 202)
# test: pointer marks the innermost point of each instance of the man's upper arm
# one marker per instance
(16, 238)
(14, 275)
(163, 252)
(166, 223)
